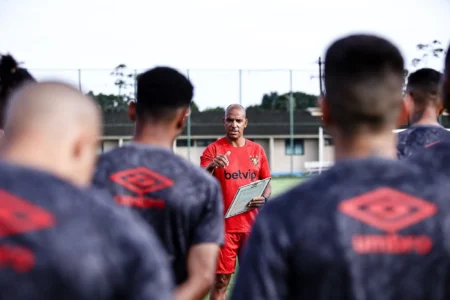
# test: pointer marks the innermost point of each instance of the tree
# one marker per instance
(194, 107)
(432, 49)
(218, 108)
(268, 101)
(109, 102)
(125, 81)
(273, 101)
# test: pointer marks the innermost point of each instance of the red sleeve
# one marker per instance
(264, 172)
(207, 156)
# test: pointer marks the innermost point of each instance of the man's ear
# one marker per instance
(132, 111)
(408, 103)
(182, 116)
(446, 90)
(79, 146)
(245, 123)
(440, 108)
(325, 109)
(407, 106)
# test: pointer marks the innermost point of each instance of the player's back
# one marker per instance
(366, 229)
(416, 138)
(58, 242)
(178, 199)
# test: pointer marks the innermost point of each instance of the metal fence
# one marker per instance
(213, 88)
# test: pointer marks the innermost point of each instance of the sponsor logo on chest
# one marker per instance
(249, 174)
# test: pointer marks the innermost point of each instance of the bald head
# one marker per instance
(234, 107)
(235, 122)
(49, 108)
(61, 123)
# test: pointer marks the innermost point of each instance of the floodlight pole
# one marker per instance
(240, 87)
(291, 121)
(320, 77)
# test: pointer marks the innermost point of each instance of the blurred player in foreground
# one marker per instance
(368, 228)
(11, 77)
(56, 241)
(181, 202)
(424, 105)
(235, 161)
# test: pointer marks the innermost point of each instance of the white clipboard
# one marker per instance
(244, 194)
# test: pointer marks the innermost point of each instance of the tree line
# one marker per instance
(273, 101)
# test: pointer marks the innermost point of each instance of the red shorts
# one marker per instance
(234, 242)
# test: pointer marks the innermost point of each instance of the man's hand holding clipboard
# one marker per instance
(248, 197)
(257, 202)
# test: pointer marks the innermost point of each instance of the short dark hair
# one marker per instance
(446, 82)
(363, 82)
(162, 90)
(11, 77)
(423, 86)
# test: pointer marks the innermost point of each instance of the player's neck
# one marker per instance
(427, 117)
(366, 145)
(240, 142)
(155, 135)
(39, 158)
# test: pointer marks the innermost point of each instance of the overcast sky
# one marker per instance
(214, 38)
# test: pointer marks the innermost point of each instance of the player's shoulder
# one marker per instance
(402, 135)
(163, 161)
(342, 177)
(37, 184)
(217, 145)
(195, 174)
(256, 148)
(445, 134)
(253, 144)
(315, 200)
(285, 206)
(436, 158)
(409, 133)
(113, 154)
(419, 130)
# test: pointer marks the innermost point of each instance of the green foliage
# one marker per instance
(433, 49)
(125, 81)
(218, 108)
(425, 51)
(194, 107)
(302, 101)
(109, 102)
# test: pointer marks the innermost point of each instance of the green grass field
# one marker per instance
(279, 185)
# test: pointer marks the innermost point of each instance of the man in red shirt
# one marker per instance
(235, 161)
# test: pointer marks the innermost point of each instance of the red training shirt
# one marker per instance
(247, 164)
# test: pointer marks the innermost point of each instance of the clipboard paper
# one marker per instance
(244, 194)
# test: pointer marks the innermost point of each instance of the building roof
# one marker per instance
(261, 122)
(210, 123)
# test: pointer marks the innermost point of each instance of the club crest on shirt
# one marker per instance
(254, 160)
